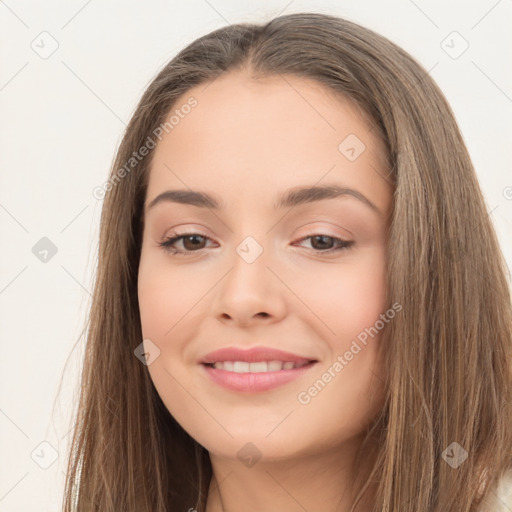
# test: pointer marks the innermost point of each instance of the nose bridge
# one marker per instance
(249, 288)
(250, 249)
(249, 263)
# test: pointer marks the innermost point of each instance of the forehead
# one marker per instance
(247, 137)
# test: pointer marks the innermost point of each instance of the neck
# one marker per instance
(322, 482)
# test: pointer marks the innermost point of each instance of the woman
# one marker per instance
(268, 371)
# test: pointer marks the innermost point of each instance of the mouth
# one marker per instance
(254, 370)
(256, 376)
(257, 366)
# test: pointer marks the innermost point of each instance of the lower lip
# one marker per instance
(255, 382)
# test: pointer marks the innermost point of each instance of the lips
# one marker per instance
(254, 370)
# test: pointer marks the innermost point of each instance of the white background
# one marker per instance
(61, 119)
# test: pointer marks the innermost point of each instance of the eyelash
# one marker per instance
(166, 244)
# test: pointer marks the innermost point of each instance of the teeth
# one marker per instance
(274, 366)
(256, 367)
(241, 367)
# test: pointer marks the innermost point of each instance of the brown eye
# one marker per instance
(191, 242)
(323, 244)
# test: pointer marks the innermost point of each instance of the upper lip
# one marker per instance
(252, 355)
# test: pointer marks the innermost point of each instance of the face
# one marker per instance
(251, 270)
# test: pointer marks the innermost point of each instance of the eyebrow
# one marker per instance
(293, 197)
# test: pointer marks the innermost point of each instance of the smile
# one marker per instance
(257, 366)
(254, 377)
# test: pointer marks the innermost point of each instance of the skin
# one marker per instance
(246, 141)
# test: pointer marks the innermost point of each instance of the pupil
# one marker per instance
(319, 237)
(191, 237)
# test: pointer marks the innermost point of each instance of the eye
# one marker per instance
(194, 242)
(190, 241)
(320, 241)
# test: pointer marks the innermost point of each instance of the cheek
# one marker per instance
(349, 297)
(347, 390)
(169, 310)
(158, 305)
(166, 296)
(350, 300)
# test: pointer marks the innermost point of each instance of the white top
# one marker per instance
(499, 499)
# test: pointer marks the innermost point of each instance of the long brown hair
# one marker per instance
(448, 354)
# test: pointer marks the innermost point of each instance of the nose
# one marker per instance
(250, 293)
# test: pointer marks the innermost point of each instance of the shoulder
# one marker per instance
(499, 498)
